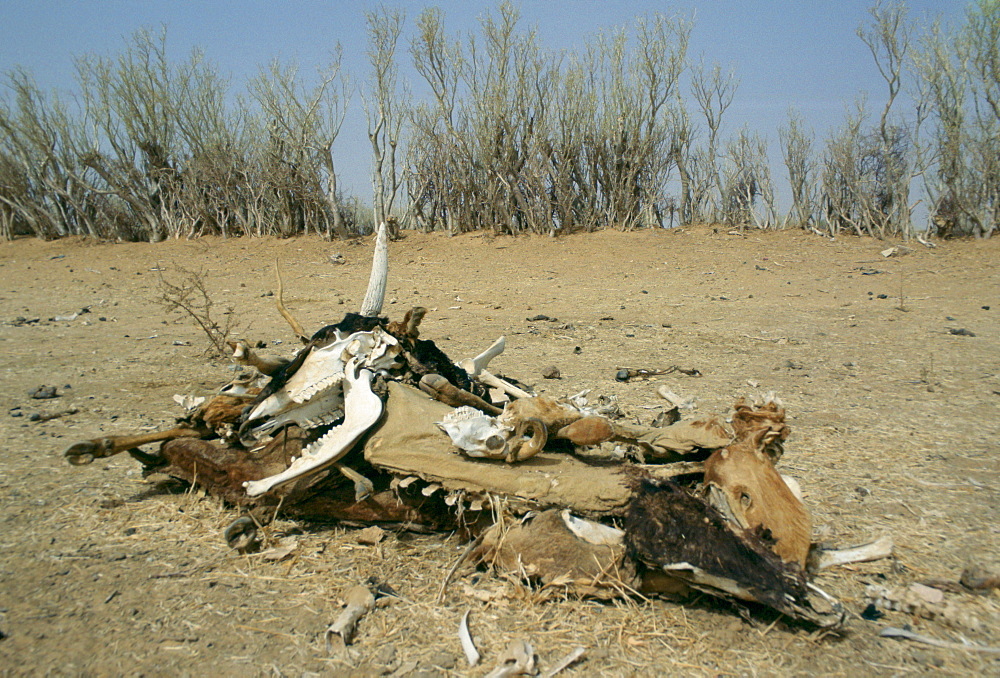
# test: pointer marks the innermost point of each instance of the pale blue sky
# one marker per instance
(787, 53)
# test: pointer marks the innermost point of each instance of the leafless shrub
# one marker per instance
(190, 298)
(959, 75)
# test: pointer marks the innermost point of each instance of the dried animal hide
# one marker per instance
(546, 549)
(408, 442)
(671, 530)
(769, 416)
(742, 483)
(221, 471)
(677, 441)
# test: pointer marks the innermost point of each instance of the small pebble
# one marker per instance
(551, 372)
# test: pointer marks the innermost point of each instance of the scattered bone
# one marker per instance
(891, 632)
(628, 373)
(441, 389)
(821, 559)
(926, 602)
(189, 402)
(468, 647)
(517, 660)
(359, 601)
(48, 416)
(244, 355)
(473, 366)
(363, 488)
(564, 663)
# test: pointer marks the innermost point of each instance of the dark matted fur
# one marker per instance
(665, 524)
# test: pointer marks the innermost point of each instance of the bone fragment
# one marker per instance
(468, 647)
(517, 660)
(591, 532)
(880, 548)
(375, 295)
(362, 409)
(565, 662)
(496, 382)
(441, 389)
(476, 369)
(363, 487)
(244, 355)
(890, 632)
(340, 633)
(476, 365)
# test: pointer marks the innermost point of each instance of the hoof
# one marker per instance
(241, 534)
(83, 453)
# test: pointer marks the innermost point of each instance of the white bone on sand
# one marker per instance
(476, 369)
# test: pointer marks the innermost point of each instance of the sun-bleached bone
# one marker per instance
(313, 395)
(476, 369)
(375, 295)
(321, 410)
(476, 434)
(476, 365)
(482, 436)
(362, 408)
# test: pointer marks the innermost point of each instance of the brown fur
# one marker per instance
(549, 411)
(545, 550)
(587, 431)
(667, 525)
(758, 496)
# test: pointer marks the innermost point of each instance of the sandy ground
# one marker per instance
(895, 431)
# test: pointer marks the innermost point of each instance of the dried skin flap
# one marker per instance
(671, 443)
(548, 552)
(409, 442)
(667, 528)
(758, 498)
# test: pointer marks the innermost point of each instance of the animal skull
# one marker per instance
(482, 436)
(332, 382)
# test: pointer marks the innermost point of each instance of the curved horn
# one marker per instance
(375, 296)
(526, 449)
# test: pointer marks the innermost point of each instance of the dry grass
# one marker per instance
(104, 573)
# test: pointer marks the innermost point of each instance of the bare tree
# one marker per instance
(888, 40)
(714, 93)
(386, 109)
(302, 127)
(796, 150)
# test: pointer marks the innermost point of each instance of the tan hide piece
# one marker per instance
(671, 443)
(758, 498)
(544, 549)
(407, 441)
